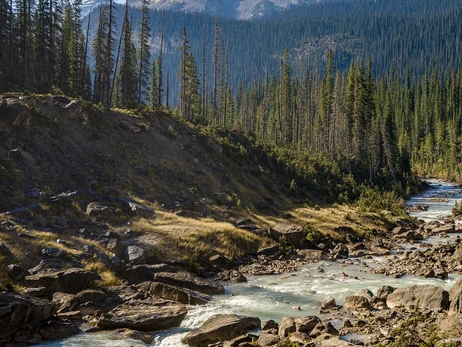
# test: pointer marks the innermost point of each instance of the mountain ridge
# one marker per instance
(240, 9)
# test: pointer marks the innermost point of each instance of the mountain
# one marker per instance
(240, 9)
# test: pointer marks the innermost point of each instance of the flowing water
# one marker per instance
(296, 294)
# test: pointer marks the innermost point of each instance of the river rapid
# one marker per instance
(294, 294)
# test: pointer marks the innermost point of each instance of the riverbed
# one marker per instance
(295, 294)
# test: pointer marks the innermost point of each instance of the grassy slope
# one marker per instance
(156, 160)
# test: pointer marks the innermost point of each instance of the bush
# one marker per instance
(457, 209)
(373, 200)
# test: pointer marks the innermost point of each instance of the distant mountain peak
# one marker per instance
(241, 9)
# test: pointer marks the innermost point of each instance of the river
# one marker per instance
(275, 296)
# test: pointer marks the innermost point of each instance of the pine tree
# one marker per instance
(144, 53)
(153, 87)
(126, 81)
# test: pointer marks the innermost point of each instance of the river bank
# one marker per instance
(301, 293)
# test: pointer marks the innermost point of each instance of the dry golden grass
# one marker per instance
(108, 278)
(173, 237)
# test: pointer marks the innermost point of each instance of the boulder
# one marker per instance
(184, 279)
(149, 315)
(429, 297)
(384, 291)
(356, 303)
(134, 255)
(15, 272)
(19, 312)
(57, 330)
(455, 297)
(141, 273)
(241, 341)
(98, 211)
(328, 304)
(137, 209)
(299, 339)
(306, 324)
(68, 281)
(340, 251)
(221, 327)
(168, 292)
(293, 234)
(287, 326)
(54, 252)
(53, 265)
(272, 251)
(312, 254)
(269, 324)
(445, 228)
(267, 339)
(219, 261)
(327, 340)
(135, 335)
(90, 295)
(116, 247)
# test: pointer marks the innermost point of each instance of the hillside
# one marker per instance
(176, 190)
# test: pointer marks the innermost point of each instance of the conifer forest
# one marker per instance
(373, 88)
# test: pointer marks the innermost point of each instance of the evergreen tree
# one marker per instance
(144, 53)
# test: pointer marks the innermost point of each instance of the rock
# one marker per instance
(242, 221)
(137, 209)
(272, 251)
(20, 213)
(152, 315)
(219, 261)
(327, 340)
(56, 330)
(328, 304)
(68, 281)
(306, 324)
(221, 327)
(430, 297)
(267, 339)
(384, 291)
(293, 234)
(299, 339)
(116, 247)
(90, 295)
(168, 292)
(74, 111)
(134, 255)
(445, 228)
(312, 254)
(98, 211)
(65, 302)
(19, 312)
(269, 324)
(340, 251)
(356, 303)
(399, 230)
(37, 292)
(455, 297)
(241, 341)
(15, 272)
(53, 252)
(184, 279)
(136, 335)
(141, 273)
(287, 326)
(232, 276)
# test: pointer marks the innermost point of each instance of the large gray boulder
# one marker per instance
(356, 303)
(19, 312)
(144, 315)
(221, 327)
(141, 273)
(184, 279)
(294, 234)
(455, 297)
(168, 292)
(67, 281)
(428, 296)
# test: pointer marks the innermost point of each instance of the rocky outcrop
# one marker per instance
(149, 315)
(168, 292)
(56, 330)
(220, 328)
(428, 297)
(20, 312)
(67, 281)
(141, 273)
(455, 297)
(356, 303)
(293, 234)
(184, 279)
